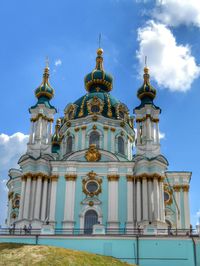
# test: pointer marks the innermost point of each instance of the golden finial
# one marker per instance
(146, 71)
(46, 71)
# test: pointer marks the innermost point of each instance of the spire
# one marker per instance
(45, 90)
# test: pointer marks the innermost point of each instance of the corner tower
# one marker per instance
(147, 119)
(150, 165)
(42, 117)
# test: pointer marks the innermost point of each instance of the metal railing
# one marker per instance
(108, 231)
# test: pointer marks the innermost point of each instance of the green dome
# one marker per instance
(98, 79)
(106, 104)
(45, 89)
(146, 92)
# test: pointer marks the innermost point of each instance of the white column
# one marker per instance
(138, 132)
(112, 140)
(144, 131)
(130, 201)
(53, 199)
(50, 131)
(144, 200)
(83, 139)
(31, 133)
(161, 200)
(38, 198)
(105, 138)
(33, 188)
(69, 201)
(44, 199)
(138, 200)
(178, 211)
(150, 200)
(156, 199)
(157, 133)
(76, 141)
(152, 131)
(21, 207)
(148, 128)
(113, 201)
(27, 198)
(186, 207)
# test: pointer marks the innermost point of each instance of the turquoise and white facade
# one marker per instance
(85, 173)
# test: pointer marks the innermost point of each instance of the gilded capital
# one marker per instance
(70, 177)
(113, 177)
(54, 177)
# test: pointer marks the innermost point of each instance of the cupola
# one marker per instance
(98, 80)
(45, 91)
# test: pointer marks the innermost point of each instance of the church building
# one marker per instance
(85, 171)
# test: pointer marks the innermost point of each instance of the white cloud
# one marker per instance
(177, 12)
(58, 62)
(171, 65)
(11, 148)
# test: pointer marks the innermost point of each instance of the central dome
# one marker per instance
(96, 102)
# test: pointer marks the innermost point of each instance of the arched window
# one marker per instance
(121, 145)
(94, 138)
(69, 144)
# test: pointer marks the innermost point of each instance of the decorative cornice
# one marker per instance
(146, 176)
(177, 188)
(145, 117)
(70, 177)
(43, 117)
(113, 177)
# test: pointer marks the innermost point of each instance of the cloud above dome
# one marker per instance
(171, 65)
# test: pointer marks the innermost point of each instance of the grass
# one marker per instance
(26, 255)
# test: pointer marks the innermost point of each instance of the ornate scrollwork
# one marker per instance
(70, 112)
(122, 112)
(92, 154)
(91, 185)
(16, 201)
(95, 106)
(168, 195)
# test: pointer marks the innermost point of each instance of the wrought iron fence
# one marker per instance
(139, 232)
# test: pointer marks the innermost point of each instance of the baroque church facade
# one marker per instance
(86, 173)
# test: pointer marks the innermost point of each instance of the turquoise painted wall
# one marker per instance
(152, 251)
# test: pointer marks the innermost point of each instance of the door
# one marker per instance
(91, 218)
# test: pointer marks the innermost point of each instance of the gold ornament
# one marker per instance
(92, 154)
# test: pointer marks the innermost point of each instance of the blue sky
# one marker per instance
(67, 32)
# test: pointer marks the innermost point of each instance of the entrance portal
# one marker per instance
(91, 218)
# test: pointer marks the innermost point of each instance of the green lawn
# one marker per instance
(27, 255)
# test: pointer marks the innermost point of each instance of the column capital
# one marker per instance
(70, 177)
(54, 177)
(113, 177)
(177, 188)
(185, 188)
(129, 178)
